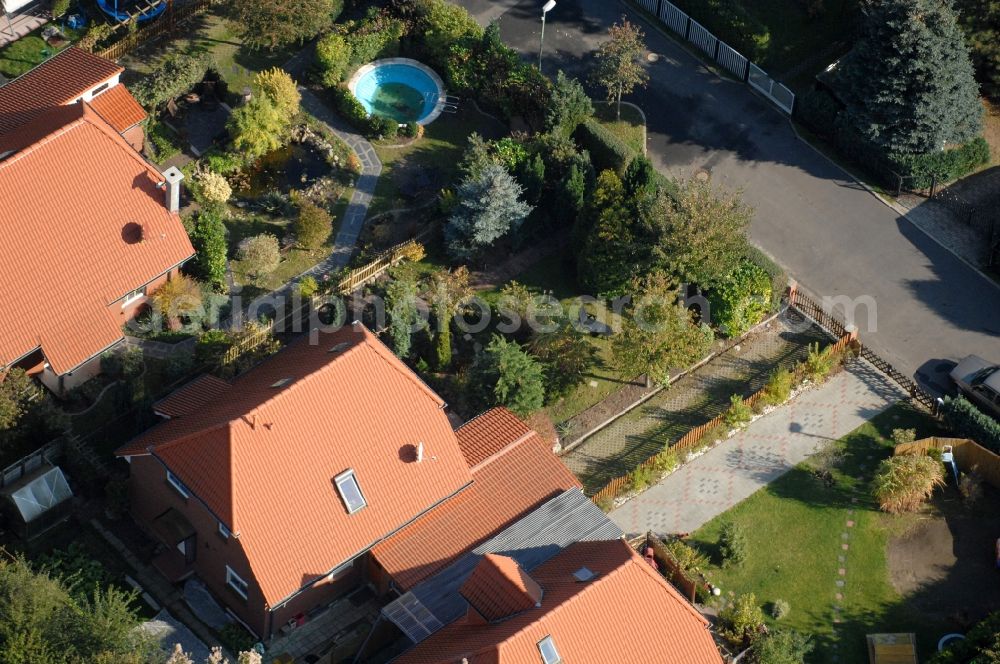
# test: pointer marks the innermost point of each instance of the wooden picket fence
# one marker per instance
(692, 438)
(968, 454)
(166, 23)
(355, 279)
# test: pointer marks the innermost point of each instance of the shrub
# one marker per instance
(380, 126)
(177, 298)
(779, 280)
(642, 477)
(689, 559)
(214, 188)
(257, 127)
(570, 105)
(235, 638)
(307, 286)
(780, 609)
(781, 646)
(818, 110)
(978, 646)
(665, 462)
(177, 74)
(904, 483)
(223, 163)
(350, 108)
(739, 413)
(211, 346)
(968, 421)
(947, 165)
(733, 544)
(741, 620)
(741, 299)
(260, 256)
(819, 362)
(59, 7)
(970, 485)
(313, 226)
(413, 130)
(208, 236)
(505, 375)
(511, 153)
(607, 151)
(277, 85)
(903, 436)
(779, 387)
(333, 55)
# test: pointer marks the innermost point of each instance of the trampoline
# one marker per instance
(123, 10)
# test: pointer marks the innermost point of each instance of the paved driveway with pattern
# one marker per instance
(766, 449)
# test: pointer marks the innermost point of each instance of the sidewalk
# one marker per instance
(765, 450)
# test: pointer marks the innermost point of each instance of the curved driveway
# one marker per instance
(834, 237)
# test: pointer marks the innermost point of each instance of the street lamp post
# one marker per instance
(549, 6)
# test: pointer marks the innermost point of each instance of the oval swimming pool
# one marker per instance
(399, 88)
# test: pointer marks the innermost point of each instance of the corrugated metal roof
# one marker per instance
(569, 517)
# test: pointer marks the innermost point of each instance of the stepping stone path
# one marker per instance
(840, 582)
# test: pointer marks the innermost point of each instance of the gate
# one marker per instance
(674, 18)
(731, 59)
(770, 88)
(702, 38)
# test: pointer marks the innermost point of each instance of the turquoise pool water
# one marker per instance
(399, 91)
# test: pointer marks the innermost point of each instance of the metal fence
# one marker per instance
(702, 38)
(720, 52)
(770, 88)
(674, 18)
(732, 60)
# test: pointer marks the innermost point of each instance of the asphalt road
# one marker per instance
(927, 308)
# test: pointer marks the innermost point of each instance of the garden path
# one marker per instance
(769, 447)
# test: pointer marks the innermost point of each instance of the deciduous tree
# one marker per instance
(271, 25)
(658, 333)
(277, 85)
(17, 390)
(619, 62)
(260, 256)
(257, 127)
(566, 355)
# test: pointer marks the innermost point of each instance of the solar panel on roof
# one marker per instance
(412, 617)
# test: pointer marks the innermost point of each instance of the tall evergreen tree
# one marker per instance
(608, 257)
(489, 207)
(981, 21)
(908, 81)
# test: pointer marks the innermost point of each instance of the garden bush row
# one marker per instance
(607, 151)
(969, 422)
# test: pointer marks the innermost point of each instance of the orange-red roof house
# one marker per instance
(594, 602)
(88, 227)
(276, 487)
(70, 77)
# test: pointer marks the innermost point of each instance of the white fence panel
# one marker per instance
(675, 19)
(649, 5)
(732, 60)
(776, 92)
(702, 38)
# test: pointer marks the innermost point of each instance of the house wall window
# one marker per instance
(178, 485)
(224, 531)
(350, 491)
(234, 581)
(133, 296)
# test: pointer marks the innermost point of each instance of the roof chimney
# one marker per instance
(420, 451)
(173, 177)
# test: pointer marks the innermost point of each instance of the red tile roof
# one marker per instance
(522, 474)
(626, 612)
(263, 458)
(189, 398)
(61, 79)
(498, 588)
(69, 192)
(119, 108)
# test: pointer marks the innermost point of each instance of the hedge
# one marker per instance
(607, 151)
(178, 74)
(947, 165)
(350, 107)
(741, 299)
(779, 280)
(969, 422)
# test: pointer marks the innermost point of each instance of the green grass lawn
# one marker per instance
(440, 149)
(213, 35)
(794, 527)
(630, 128)
(31, 50)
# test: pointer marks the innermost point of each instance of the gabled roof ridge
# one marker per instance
(45, 140)
(504, 450)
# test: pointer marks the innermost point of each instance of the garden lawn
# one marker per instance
(212, 35)
(440, 149)
(631, 128)
(794, 527)
(19, 56)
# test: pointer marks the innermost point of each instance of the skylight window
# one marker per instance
(350, 491)
(583, 574)
(281, 383)
(547, 649)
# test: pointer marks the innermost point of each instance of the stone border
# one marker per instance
(372, 66)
